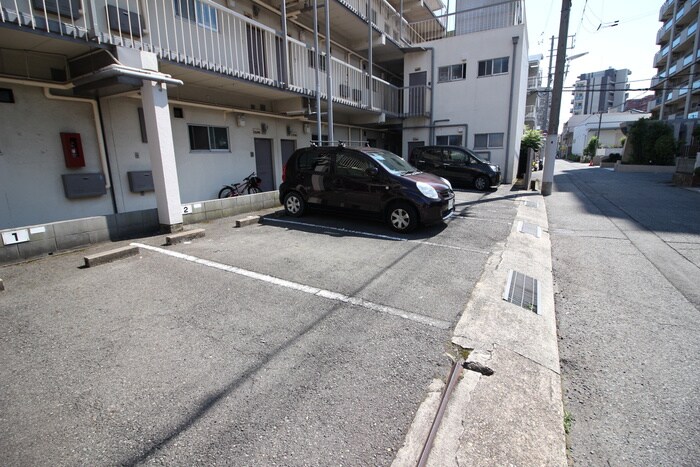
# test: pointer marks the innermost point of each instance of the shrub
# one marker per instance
(592, 146)
(614, 157)
(623, 140)
(665, 150)
(697, 171)
(532, 139)
(644, 134)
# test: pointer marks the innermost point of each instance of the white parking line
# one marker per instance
(369, 234)
(327, 294)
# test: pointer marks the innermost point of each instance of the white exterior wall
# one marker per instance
(32, 162)
(481, 103)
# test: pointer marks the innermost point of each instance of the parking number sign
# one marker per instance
(16, 236)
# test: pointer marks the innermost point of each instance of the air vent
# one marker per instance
(523, 291)
(532, 229)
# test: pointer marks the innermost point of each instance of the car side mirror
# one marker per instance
(372, 171)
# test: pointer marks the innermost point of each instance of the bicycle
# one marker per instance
(249, 185)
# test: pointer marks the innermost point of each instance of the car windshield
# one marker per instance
(391, 161)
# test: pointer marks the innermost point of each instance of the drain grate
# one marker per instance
(523, 291)
(531, 204)
(532, 229)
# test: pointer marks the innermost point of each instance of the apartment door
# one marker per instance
(263, 164)
(411, 146)
(416, 92)
(288, 147)
(256, 51)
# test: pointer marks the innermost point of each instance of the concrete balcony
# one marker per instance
(501, 15)
(666, 10)
(210, 37)
(664, 33)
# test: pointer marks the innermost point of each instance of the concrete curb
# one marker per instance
(249, 220)
(109, 256)
(185, 236)
(515, 416)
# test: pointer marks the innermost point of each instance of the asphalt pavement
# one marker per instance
(626, 257)
(309, 341)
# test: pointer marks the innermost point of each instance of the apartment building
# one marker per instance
(600, 91)
(677, 82)
(536, 102)
(139, 111)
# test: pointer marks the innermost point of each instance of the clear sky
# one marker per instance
(631, 44)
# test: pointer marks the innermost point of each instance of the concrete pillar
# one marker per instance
(156, 112)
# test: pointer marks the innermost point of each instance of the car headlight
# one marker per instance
(495, 168)
(427, 190)
(446, 182)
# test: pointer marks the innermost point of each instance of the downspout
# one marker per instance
(317, 65)
(432, 95)
(507, 165)
(285, 60)
(370, 56)
(98, 131)
(329, 74)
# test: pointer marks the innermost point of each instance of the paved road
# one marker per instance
(626, 257)
(305, 341)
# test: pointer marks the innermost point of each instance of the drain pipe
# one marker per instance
(508, 163)
(98, 129)
(95, 114)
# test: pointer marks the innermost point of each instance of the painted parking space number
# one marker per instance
(15, 236)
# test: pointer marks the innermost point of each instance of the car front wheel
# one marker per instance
(402, 217)
(294, 204)
(481, 183)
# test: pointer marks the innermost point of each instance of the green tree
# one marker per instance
(532, 139)
(593, 145)
(644, 135)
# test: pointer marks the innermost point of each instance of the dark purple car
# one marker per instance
(366, 181)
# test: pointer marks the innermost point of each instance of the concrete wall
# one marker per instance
(32, 162)
(480, 103)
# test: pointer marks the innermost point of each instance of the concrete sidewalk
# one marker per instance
(515, 416)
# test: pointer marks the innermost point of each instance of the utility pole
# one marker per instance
(553, 128)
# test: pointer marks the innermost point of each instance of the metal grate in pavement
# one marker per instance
(532, 229)
(523, 291)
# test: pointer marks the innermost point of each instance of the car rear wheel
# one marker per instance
(402, 217)
(481, 183)
(294, 204)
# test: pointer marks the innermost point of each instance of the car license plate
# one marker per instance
(451, 204)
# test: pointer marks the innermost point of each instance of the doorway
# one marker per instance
(263, 163)
(288, 147)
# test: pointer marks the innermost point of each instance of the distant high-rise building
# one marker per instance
(642, 104)
(676, 84)
(600, 91)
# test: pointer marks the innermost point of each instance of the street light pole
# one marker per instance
(553, 128)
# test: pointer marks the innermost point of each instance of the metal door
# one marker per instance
(416, 93)
(411, 146)
(288, 147)
(263, 163)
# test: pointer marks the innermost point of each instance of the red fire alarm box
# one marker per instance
(72, 150)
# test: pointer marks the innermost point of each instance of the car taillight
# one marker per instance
(284, 173)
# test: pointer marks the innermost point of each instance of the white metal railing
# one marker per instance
(500, 15)
(204, 34)
(534, 82)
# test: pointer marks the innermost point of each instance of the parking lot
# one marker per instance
(296, 341)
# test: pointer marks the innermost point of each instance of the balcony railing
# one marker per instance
(501, 15)
(664, 8)
(206, 35)
(534, 82)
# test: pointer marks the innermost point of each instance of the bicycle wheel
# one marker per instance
(253, 189)
(227, 192)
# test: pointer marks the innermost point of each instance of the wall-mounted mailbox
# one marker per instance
(86, 185)
(140, 180)
(64, 8)
(124, 21)
(72, 150)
